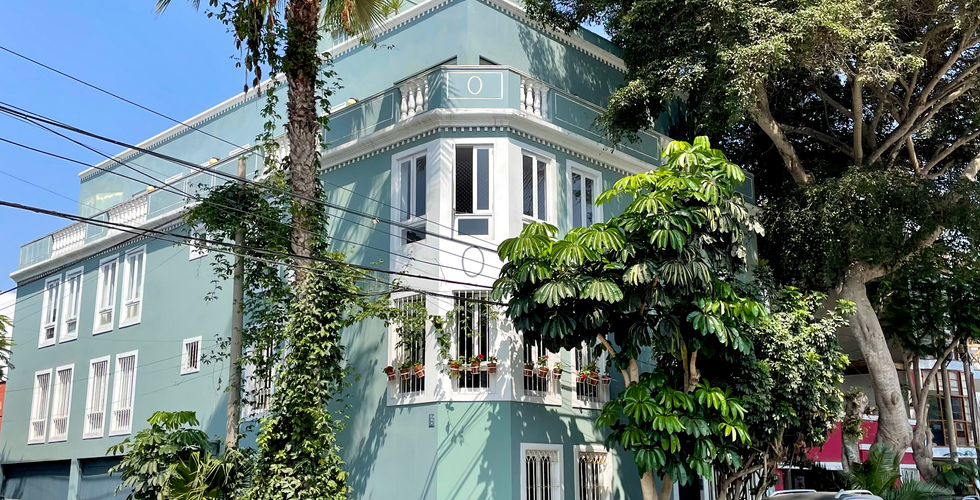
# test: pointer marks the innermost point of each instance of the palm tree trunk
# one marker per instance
(302, 65)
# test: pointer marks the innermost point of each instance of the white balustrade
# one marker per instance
(67, 239)
(415, 96)
(534, 97)
(132, 212)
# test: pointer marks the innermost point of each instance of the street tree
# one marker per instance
(655, 287)
(869, 109)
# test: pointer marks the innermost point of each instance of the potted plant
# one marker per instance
(589, 374)
(528, 369)
(406, 370)
(475, 363)
(390, 372)
(543, 366)
(492, 364)
(454, 367)
(419, 369)
(557, 369)
(605, 379)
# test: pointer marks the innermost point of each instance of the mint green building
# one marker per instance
(468, 123)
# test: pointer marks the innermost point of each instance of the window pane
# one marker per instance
(957, 404)
(589, 203)
(137, 292)
(528, 186)
(464, 179)
(542, 190)
(420, 186)
(476, 227)
(406, 189)
(483, 179)
(576, 200)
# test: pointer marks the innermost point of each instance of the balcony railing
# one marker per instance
(154, 203)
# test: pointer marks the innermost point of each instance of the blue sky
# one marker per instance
(178, 64)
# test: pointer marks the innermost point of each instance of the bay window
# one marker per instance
(473, 332)
(534, 175)
(411, 194)
(473, 191)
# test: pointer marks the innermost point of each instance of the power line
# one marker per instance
(16, 111)
(196, 129)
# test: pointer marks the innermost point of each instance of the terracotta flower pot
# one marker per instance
(454, 367)
(528, 370)
(605, 379)
(419, 370)
(594, 379)
(474, 368)
(406, 373)
(391, 375)
(543, 371)
(492, 367)
(556, 373)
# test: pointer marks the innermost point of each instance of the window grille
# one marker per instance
(590, 389)
(72, 305)
(62, 404)
(49, 315)
(39, 408)
(542, 475)
(133, 286)
(106, 303)
(124, 393)
(95, 400)
(414, 351)
(591, 476)
(473, 332)
(191, 356)
(257, 384)
(535, 385)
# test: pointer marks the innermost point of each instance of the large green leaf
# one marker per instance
(600, 289)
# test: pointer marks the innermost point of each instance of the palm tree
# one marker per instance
(881, 472)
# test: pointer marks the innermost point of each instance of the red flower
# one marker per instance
(480, 357)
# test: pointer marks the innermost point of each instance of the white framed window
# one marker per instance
(585, 185)
(591, 378)
(534, 384)
(534, 182)
(473, 337)
(61, 406)
(105, 303)
(593, 472)
(190, 356)
(96, 398)
(257, 388)
(541, 472)
(71, 304)
(49, 311)
(196, 250)
(134, 270)
(123, 394)
(473, 194)
(410, 188)
(39, 407)
(410, 347)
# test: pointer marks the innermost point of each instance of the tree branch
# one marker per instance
(943, 154)
(910, 145)
(857, 105)
(820, 136)
(825, 97)
(763, 117)
(912, 123)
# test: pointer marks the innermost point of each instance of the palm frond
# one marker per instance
(916, 490)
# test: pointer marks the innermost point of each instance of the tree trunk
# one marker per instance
(647, 486)
(948, 410)
(233, 422)
(302, 66)
(855, 405)
(894, 429)
(922, 434)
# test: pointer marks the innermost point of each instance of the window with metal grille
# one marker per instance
(61, 406)
(472, 189)
(133, 273)
(535, 184)
(72, 305)
(591, 481)
(190, 356)
(410, 345)
(541, 476)
(39, 407)
(473, 337)
(584, 186)
(534, 383)
(95, 400)
(591, 378)
(105, 303)
(123, 394)
(49, 311)
(257, 386)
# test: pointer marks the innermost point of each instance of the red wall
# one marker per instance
(3, 390)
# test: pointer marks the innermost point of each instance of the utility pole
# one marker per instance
(237, 322)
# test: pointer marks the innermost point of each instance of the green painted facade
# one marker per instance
(475, 60)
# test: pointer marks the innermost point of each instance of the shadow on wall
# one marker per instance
(474, 454)
(568, 69)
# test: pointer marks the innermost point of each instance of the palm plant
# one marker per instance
(881, 472)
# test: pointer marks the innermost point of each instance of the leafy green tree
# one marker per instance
(880, 475)
(654, 287)
(863, 116)
(5, 343)
(789, 386)
(151, 456)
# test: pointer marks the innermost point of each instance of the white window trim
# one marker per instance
(607, 475)
(88, 392)
(194, 251)
(596, 177)
(56, 396)
(517, 151)
(396, 162)
(115, 393)
(431, 376)
(525, 447)
(184, 369)
(124, 322)
(45, 307)
(553, 396)
(549, 188)
(603, 390)
(64, 336)
(96, 329)
(47, 412)
(494, 333)
(489, 144)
